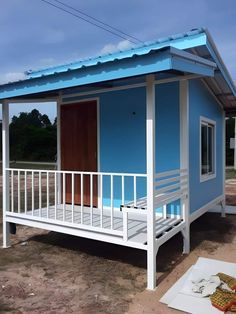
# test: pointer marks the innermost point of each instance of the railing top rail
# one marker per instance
(80, 172)
(174, 172)
(171, 180)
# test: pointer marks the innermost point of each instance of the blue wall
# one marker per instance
(202, 103)
(123, 140)
(122, 131)
(123, 135)
(167, 127)
(168, 133)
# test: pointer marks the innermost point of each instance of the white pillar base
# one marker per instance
(151, 270)
(186, 239)
(222, 203)
(6, 235)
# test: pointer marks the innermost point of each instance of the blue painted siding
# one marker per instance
(123, 136)
(202, 103)
(167, 127)
(168, 132)
(122, 131)
(123, 140)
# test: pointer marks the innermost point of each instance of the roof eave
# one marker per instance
(219, 61)
(155, 61)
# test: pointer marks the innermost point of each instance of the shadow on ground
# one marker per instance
(209, 227)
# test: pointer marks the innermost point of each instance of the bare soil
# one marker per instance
(47, 272)
(230, 190)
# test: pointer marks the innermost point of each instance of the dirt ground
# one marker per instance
(46, 272)
(230, 190)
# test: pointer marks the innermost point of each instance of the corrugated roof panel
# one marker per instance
(180, 41)
(197, 41)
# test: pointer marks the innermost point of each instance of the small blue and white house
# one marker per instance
(140, 145)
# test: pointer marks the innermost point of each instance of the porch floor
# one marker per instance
(137, 223)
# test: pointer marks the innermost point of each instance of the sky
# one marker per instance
(35, 35)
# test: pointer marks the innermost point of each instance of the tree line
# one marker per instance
(33, 137)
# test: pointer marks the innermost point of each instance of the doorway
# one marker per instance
(79, 149)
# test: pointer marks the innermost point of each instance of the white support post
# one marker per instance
(184, 158)
(234, 143)
(224, 163)
(59, 149)
(5, 173)
(150, 151)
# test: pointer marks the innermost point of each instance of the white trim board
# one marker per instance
(208, 176)
(131, 86)
(76, 232)
(223, 154)
(212, 93)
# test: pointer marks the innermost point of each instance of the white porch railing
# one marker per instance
(169, 186)
(50, 194)
(92, 200)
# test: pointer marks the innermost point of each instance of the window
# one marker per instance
(207, 149)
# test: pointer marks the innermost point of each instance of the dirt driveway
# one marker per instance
(46, 272)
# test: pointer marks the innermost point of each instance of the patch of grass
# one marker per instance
(230, 174)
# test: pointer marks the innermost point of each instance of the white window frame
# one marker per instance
(212, 175)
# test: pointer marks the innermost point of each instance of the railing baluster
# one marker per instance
(125, 225)
(64, 195)
(135, 191)
(18, 191)
(112, 203)
(47, 183)
(73, 196)
(101, 198)
(55, 192)
(33, 193)
(183, 213)
(25, 192)
(165, 211)
(40, 194)
(82, 197)
(91, 199)
(12, 190)
(122, 190)
(59, 199)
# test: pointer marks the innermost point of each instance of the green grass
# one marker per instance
(38, 165)
(32, 166)
(230, 174)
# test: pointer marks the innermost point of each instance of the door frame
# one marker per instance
(60, 103)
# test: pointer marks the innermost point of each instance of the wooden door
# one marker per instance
(79, 148)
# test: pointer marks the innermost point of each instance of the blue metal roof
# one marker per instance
(167, 53)
(160, 60)
(181, 41)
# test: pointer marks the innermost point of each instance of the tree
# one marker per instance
(32, 137)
